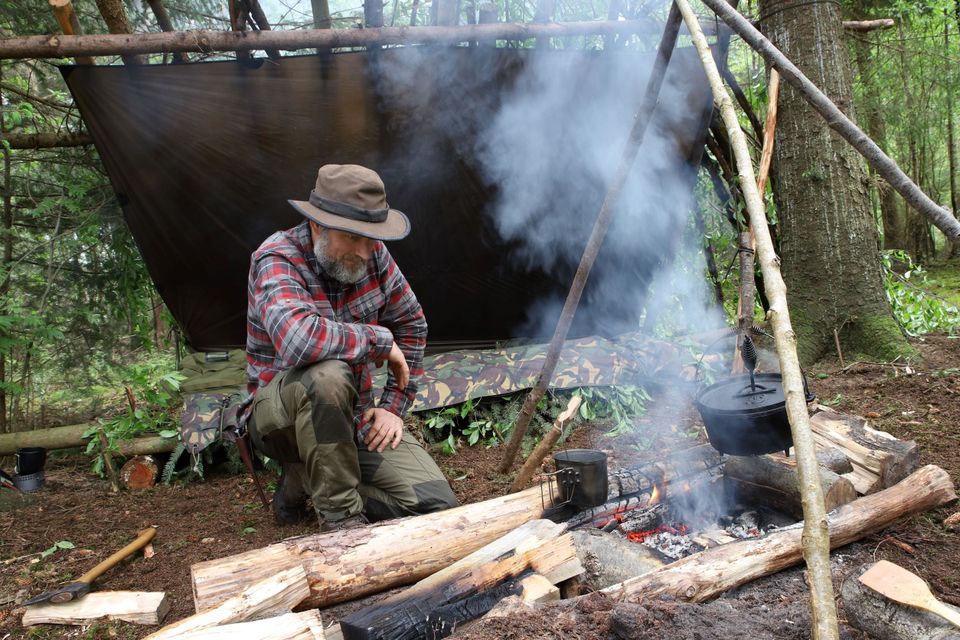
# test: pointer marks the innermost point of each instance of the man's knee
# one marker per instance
(330, 383)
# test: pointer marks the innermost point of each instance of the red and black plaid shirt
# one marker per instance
(298, 315)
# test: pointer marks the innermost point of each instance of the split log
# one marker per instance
(129, 606)
(276, 594)
(884, 619)
(539, 546)
(139, 472)
(292, 40)
(348, 564)
(879, 460)
(546, 445)
(772, 480)
(305, 625)
(707, 574)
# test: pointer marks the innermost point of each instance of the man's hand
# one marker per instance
(398, 366)
(385, 428)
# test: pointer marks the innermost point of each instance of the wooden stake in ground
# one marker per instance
(816, 536)
(108, 465)
(546, 445)
(836, 120)
(641, 120)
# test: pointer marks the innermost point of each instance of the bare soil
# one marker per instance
(222, 516)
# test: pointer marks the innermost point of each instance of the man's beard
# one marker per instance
(346, 269)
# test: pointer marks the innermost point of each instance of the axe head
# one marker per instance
(72, 591)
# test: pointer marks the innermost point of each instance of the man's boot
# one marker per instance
(290, 499)
(353, 522)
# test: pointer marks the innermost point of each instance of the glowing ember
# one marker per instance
(640, 536)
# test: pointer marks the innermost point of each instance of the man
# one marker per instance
(326, 304)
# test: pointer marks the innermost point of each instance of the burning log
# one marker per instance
(885, 619)
(704, 575)
(772, 480)
(470, 587)
(344, 565)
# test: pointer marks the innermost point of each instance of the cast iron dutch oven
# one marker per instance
(744, 419)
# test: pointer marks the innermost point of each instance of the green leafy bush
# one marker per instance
(490, 420)
(916, 308)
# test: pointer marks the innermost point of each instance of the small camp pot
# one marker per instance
(30, 482)
(582, 475)
(745, 419)
(30, 460)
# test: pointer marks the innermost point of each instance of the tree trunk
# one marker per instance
(115, 16)
(348, 564)
(707, 574)
(828, 237)
(951, 131)
(894, 234)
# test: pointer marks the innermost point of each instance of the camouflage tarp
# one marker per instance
(456, 376)
(205, 416)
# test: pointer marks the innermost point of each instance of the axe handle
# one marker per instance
(145, 536)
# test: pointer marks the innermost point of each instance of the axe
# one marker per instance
(80, 588)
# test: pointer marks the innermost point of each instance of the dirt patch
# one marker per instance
(222, 516)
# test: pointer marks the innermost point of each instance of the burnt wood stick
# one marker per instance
(539, 545)
(641, 120)
(546, 445)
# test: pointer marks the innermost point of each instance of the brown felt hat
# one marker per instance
(351, 198)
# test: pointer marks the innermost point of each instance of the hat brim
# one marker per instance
(395, 227)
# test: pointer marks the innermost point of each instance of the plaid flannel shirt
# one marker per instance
(298, 315)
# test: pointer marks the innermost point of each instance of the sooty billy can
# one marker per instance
(582, 474)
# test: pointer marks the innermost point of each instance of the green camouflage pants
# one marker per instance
(306, 415)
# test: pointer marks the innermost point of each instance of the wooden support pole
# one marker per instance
(748, 244)
(941, 217)
(115, 15)
(260, 19)
(69, 24)
(816, 535)
(487, 13)
(166, 24)
(642, 118)
(57, 46)
(546, 445)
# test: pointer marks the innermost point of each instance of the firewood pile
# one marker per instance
(690, 527)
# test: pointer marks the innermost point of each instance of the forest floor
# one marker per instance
(222, 516)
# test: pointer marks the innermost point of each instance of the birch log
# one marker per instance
(344, 565)
(836, 120)
(816, 538)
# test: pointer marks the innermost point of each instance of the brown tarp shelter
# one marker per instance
(204, 156)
